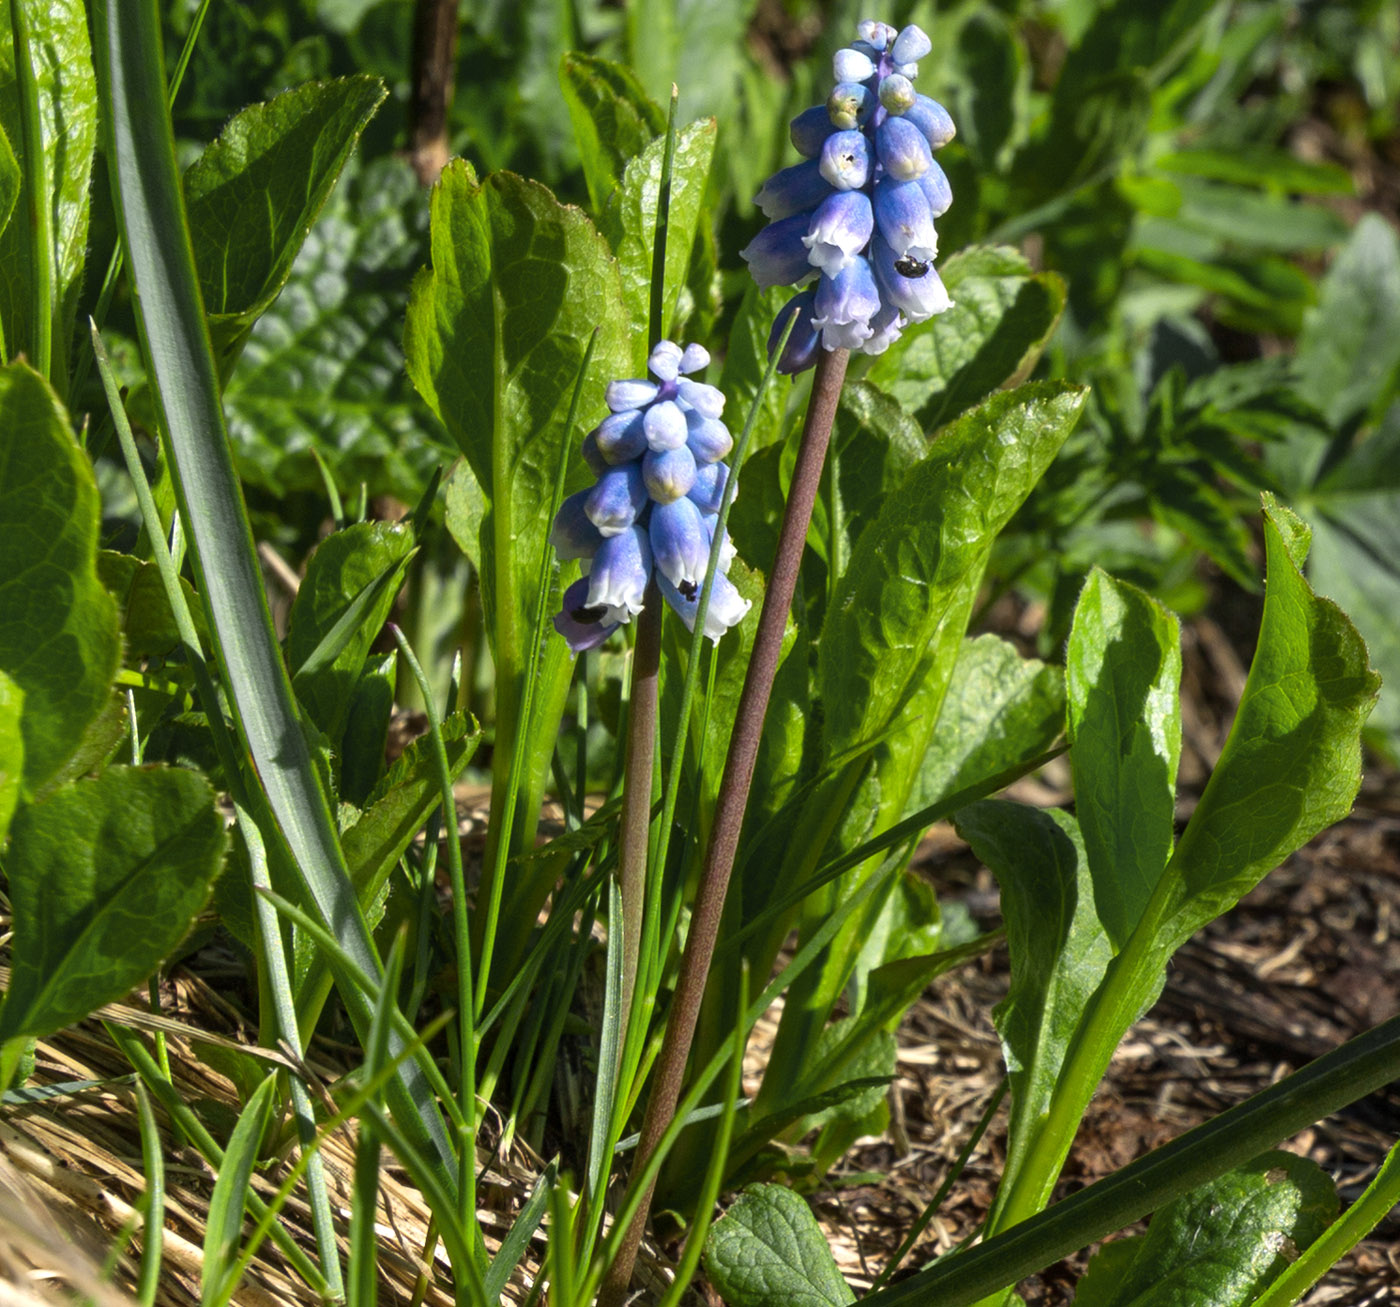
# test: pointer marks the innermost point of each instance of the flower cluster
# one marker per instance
(654, 506)
(860, 210)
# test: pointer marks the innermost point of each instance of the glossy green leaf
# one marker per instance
(1058, 948)
(1260, 166)
(993, 61)
(1292, 763)
(351, 582)
(1001, 710)
(1257, 219)
(629, 223)
(11, 751)
(105, 877)
(367, 728)
(323, 368)
(1195, 1255)
(147, 624)
(613, 119)
(9, 182)
(1123, 676)
(224, 1225)
(252, 196)
(767, 1250)
(58, 627)
(1002, 315)
(1349, 350)
(62, 57)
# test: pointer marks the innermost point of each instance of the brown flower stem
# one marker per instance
(434, 60)
(733, 796)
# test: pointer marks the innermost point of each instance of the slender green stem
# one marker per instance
(734, 792)
(37, 199)
(153, 1165)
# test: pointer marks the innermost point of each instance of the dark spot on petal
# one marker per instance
(688, 590)
(910, 267)
(586, 616)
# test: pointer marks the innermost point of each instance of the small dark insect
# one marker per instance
(688, 589)
(588, 616)
(910, 267)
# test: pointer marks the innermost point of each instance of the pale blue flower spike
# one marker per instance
(620, 571)
(872, 150)
(705, 400)
(664, 424)
(614, 503)
(584, 627)
(669, 474)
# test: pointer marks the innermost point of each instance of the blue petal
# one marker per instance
(777, 255)
(885, 328)
(809, 129)
(845, 160)
(933, 120)
(903, 150)
(573, 535)
(937, 190)
(849, 105)
(727, 605)
(620, 571)
(905, 220)
(679, 543)
(707, 400)
(593, 456)
(613, 504)
(708, 490)
(791, 190)
(624, 395)
(845, 304)
(800, 352)
(665, 360)
(840, 228)
(664, 424)
(621, 436)
(911, 45)
(708, 438)
(669, 474)
(584, 627)
(909, 285)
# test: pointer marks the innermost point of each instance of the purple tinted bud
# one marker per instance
(896, 93)
(791, 190)
(613, 504)
(669, 474)
(582, 625)
(727, 605)
(593, 456)
(852, 66)
(839, 230)
(679, 545)
(664, 362)
(910, 285)
(708, 490)
(664, 424)
(708, 438)
(696, 358)
(885, 328)
(903, 216)
(707, 400)
(910, 45)
(932, 119)
(877, 34)
(624, 395)
(777, 255)
(934, 184)
(620, 571)
(573, 535)
(902, 149)
(845, 304)
(620, 437)
(800, 352)
(849, 105)
(845, 160)
(810, 128)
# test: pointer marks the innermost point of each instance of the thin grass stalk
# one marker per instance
(734, 790)
(153, 1167)
(36, 195)
(284, 1008)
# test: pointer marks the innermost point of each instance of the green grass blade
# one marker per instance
(149, 204)
(153, 1164)
(517, 1239)
(225, 1219)
(36, 192)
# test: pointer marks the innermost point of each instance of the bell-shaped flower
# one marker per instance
(777, 256)
(845, 160)
(573, 534)
(680, 546)
(911, 286)
(708, 438)
(707, 490)
(845, 304)
(583, 625)
(849, 106)
(621, 436)
(792, 190)
(618, 575)
(936, 189)
(669, 474)
(932, 119)
(810, 128)
(897, 93)
(614, 503)
(800, 352)
(664, 424)
(727, 606)
(905, 220)
(839, 230)
(624, 395)
(902, 149)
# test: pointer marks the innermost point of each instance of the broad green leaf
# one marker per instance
(629, 223)
(1001, 710)
(11, 751)
(62, 57)
(224, 1224)
(993, 63)
(1349, 350)
(1261, 292)
(1292, 763)
(367, 728)
(767, 1250)
(105, 877)
(1123, 676)
(1058, 948)
(1261, 220)
(1222, 1244)
(9, 182)
(1002, 315)
(1130, 34)
(1188, 501)
(147, 624)
(1260, 166)
(496, 334)
(692, 46)
(910, 924)
(351, 582)
(400, 804)
(613, 119)
(58, 627)
(253, 195)
(322, 370)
